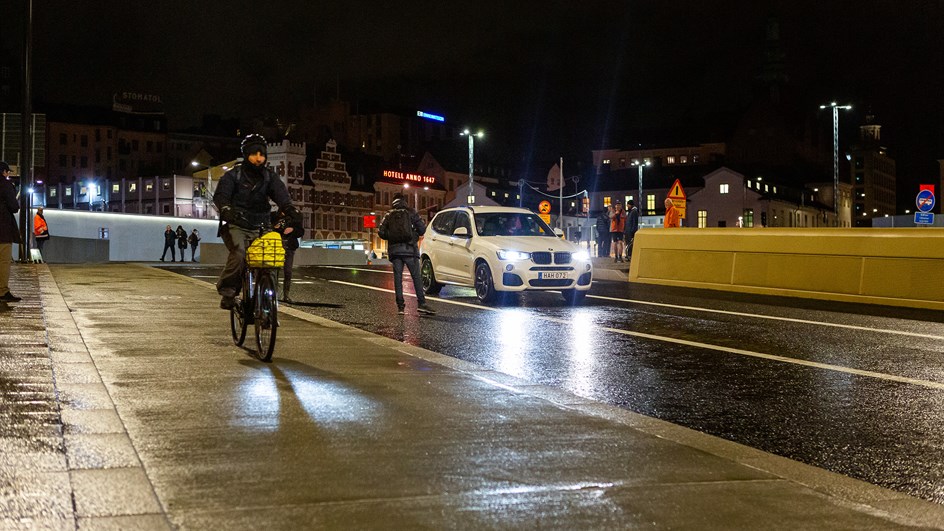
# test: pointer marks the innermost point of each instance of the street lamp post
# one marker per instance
(639, 165)
(480, 134)
(835, 109)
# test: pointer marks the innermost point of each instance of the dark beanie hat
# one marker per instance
(4, 166)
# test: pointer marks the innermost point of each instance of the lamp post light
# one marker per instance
(835, 109)
(639, 165)
(480, 134)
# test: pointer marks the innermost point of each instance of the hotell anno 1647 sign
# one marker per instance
(413, 177)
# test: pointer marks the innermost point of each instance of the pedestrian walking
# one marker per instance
(170, 242)
(9, 205)
(617, 225)
(40, 230)
(194, 240)
(290, 244)
(402, 227)
(632, 225)
(603, 233)
(672, 218)
(182, 242)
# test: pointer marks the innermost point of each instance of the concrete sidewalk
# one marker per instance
(125, 405)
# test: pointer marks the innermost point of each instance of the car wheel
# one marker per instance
(430, 286)
(574, 297)
(484, 284)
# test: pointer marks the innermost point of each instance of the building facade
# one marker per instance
(873, 174)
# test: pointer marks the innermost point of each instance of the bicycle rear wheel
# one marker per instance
(267, 316)
(237, 322)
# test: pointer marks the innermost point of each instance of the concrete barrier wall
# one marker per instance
(215, 253)
(897, 267)
(79, 236)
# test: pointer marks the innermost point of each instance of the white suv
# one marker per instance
(501, 249)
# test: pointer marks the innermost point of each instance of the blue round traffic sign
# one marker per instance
(925, 200)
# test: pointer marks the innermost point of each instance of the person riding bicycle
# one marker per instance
(242, 198)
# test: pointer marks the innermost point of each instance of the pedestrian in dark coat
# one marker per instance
(9, 205)
(290, 244)
(632, 226)
(405, 253)
(182, 242)
(170, 242)
(603, 233)
(194, 241)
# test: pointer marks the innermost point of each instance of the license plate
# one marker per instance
(552, 275)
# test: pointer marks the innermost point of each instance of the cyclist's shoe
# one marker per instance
(228, 303)
(9, 297)
(400, 310)
(425, 309)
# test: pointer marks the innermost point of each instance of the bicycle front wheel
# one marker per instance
(267, 316)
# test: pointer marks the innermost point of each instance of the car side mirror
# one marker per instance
(558, 232)
(461, 232)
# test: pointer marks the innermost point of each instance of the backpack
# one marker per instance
(397, 227)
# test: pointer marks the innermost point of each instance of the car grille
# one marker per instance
(543, 257)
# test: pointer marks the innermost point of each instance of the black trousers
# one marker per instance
(236, 240)
(413, 264)
(173, 252)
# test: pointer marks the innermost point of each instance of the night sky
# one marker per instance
(543, 79)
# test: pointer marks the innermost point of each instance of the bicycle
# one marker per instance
(258, 301)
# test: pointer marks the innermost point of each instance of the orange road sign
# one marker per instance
(677, 195)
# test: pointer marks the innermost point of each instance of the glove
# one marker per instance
(294, 215)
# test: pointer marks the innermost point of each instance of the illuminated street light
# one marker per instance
(639, 166)
(480, 134)
(835, 109)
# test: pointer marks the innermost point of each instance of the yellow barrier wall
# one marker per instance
(897, 267)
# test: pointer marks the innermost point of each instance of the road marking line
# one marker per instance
(771, 317)
(360, 269)
(707, 346)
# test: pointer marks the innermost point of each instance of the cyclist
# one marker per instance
(242, 197)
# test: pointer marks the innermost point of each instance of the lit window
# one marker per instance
(68, 192)
(607, 201)
(724, 188)
(683, 159)
(766, 188)
(115, 188)
(148, 187)
(702, 219)
(83, 190)
(748, 184)
(132, 187)
(606, 161)
(670, 160)
(52, 193)
(651, 204)
(775, 189)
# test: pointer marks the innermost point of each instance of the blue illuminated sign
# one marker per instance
(429, 116)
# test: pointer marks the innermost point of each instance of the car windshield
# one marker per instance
(511, 224)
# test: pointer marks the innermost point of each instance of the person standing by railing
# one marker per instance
(40, 230)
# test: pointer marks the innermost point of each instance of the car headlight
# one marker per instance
(581, 256)
(505, 254)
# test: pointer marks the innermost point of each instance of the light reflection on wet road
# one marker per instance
(865, 398)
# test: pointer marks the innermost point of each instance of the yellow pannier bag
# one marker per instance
(266, 251)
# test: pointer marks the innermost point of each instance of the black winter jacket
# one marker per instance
(245, 189)
(410, 248)
(8, 206)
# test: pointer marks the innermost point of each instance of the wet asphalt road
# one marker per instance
(854, 389)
